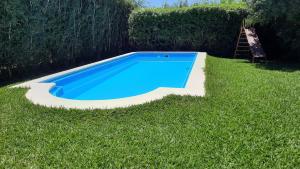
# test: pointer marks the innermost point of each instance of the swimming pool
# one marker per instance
(133, 75)
(129, 79)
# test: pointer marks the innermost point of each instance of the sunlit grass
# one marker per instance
(249, 119)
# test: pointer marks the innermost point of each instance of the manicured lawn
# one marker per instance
(250, 118)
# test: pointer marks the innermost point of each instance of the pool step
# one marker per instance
(57, 91)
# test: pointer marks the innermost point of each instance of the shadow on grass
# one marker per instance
(5, 82)
(44, 70)
(279, 66)
(30, 76)
(282, 66)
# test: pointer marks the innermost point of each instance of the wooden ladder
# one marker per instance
(248, 44)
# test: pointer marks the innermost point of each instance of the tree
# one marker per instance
(181, 3)
(165, 4)
(138, 3)
(283, 17)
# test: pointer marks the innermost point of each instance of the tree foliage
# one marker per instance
(284, 18)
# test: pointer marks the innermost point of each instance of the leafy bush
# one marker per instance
(39, 32)
(208, 28)
(283, 18)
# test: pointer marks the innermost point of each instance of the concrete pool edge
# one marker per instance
(39, 94)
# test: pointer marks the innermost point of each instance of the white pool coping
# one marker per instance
(39, 94)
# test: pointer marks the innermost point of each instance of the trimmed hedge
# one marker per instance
(209, 28)
(42, 35)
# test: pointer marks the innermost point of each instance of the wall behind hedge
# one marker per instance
(213, 29)
(40, 34)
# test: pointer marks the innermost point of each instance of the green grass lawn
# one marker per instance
(250, 118)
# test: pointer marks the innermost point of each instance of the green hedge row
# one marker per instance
(209, 28)
(44, 34)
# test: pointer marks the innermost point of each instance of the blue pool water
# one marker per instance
(132, 75)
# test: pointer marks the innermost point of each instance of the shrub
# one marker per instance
(38, 33)
(208, 28)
